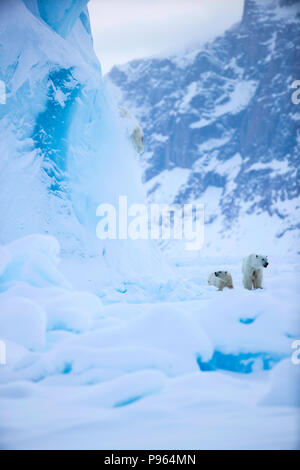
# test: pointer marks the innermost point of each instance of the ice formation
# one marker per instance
(64, 147)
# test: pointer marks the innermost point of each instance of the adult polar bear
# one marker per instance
(134, 130)
(253, 271)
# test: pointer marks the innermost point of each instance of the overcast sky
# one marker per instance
(128, 29)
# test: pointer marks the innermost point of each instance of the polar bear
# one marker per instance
(220, 279)
(253, 271)
(134, 130)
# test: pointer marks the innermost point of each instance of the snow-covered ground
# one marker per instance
(176, 365)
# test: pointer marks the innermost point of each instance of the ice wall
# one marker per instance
(63, 147)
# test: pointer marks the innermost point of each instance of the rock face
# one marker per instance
(220, 126)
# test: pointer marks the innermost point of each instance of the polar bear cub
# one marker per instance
(253, 271)
(220, 279)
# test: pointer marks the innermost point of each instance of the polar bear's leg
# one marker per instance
(254, 279)
(221, 285)
(259, 279)
(247, 281)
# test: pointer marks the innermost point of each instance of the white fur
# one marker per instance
(220, 279)
(252, 270)
(134, 130)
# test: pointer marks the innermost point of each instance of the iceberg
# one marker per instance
(64, 147)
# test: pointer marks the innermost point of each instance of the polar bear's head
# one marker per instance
(226, 277)
(259, 261)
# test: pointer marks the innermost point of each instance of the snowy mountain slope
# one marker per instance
(223, 115)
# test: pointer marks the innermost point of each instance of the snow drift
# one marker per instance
(87, 361)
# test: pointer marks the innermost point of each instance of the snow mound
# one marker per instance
(125, 390)
(33, 244)
(36, 297)
(254, 329)
(285, 385)
(23, 322)
(5, 258)
(163, 339)
(32, 259)
(73, 311)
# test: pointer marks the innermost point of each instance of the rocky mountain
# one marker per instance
(221, 128)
